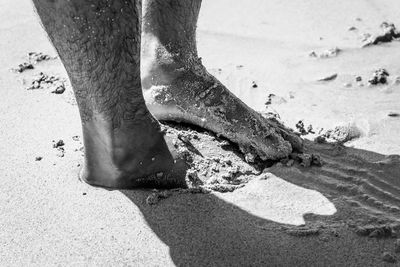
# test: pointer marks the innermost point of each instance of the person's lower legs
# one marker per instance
(99, 44)
(177, 86)
(169, 31)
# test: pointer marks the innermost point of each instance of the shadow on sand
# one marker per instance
(205, 230)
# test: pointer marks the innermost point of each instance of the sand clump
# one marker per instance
(340, 134)
(388, 33)
(328, 78)
(36, 57)
(343, 133)
(352, 28)
(305, 160)
(302, 130)
(393, 114)
(379, 77)
(59, 146)
(41, 80)
(275, 100)
(45, 81)
(32, 59)
(23, 67)
(329, 53)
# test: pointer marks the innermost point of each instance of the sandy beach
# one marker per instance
(294, 60)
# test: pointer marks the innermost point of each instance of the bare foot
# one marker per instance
(175, 92)
(137, 154)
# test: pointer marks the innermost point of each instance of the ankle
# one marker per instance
(99, 167)
(133, 150)
(163, 62)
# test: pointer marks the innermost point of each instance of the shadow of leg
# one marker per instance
(203, 230)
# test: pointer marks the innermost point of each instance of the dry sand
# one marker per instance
(345, 213)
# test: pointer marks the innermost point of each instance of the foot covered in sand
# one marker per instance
(188, 93)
